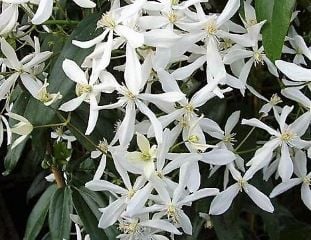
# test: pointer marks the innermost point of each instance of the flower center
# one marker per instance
(251, 22)
(258, 58)
(174, 2)
(103, 146)
(287, 136)
(107, 21)
(211, 27)
(242, 183)
(44, 96)
(59, 131)
(229, 138)
(129, 228)
(130, 96)
(193, 139)
(146, 156)
(307, 180)
(171, 213)
(172, 17)
(83, 88)
(275, 99)
(130, 193)
(189, 107)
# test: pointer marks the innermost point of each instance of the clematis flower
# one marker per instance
(86, 90)
(304, 179)
(59, 134)
(299, 48)
(298, 74)
(22, 128)
(288, 137)
(131, 97)
(27, 68)
(223, 200)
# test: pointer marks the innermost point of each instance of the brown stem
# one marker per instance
(59, 178)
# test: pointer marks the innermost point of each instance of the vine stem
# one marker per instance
(59, 177)
(246, 137)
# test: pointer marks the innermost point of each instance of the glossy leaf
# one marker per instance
(87, 217)
(59, 214)
(278, 15)
(38, 214)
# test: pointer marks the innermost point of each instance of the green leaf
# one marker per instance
(95, 200)
(89, 220)
(59, 214)
(38, 214)
(278, 15)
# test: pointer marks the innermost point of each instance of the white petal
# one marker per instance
(138, 201)
(185, 222)
(91, 43)
(111, 213)
(101, 168)
(73, 103)
(260, 199)
(294, 71)
(10, 54)
(133, 72)
(256, 123)
(74, 72)
(142, 143)
(43, 12)
(126, 130)
(157, 127)
(135, 39)
(223, 200)
(301, 124)
(166, 97)
(161, 225)
(7, 85)
(85, 3)
(286, 166)
(93, 115)
(284, 186)
(230, 9)
(306, 195)
(185, 72)
(218, 157)
(232, 122)
(202, 193)
(103, 185)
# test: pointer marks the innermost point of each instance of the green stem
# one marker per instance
(60, 22)
(246, 137)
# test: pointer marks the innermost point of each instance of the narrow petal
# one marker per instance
(10, 54)
(223, 200)
(286, 166)
(232, 122)
(306, 195)
(284, 186)
(43, 12)
(73, 103)
(85, 3)
(256, 123)
(74, 72)
(111, 213)
(294, 71)
(157, 127)
(260, 199)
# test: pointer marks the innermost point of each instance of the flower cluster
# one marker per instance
(162, 138)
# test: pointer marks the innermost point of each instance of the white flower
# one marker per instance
(287, 137)
(22, 128)
(86, 90)
(223, 200)
(131, 97)
(26, 69)
(303, 178)
(59, 134)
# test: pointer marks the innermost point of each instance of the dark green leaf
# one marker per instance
(278, 15)
(38, 214)
(89, 220)
(59, 214)
(95, 200)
